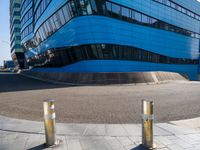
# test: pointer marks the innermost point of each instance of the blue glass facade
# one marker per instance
(17, 51)
(112, 36)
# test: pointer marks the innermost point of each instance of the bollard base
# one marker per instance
(149, 148)
(55, 145)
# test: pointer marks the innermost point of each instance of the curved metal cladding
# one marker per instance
(117, 36)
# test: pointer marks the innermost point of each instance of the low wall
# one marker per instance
(106, 78)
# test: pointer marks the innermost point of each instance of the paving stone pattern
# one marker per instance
(22, 134)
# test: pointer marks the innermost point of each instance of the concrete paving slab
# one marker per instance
(95, 129)
(159, 144)
(70, 129)
(129, 129)
(158, 131)
(115, 130)
(189, 123)
(188, 139)
(74, 144)
(95, 136)
(174, 147)
(62, 143)
(176, 129)
(182, 143)
(35, 141)
(21, 125)
(114, 142)
(86, 143)
(101, 144)
(125, 141)
(164, 140)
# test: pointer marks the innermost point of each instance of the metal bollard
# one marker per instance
(49, 122)
(147, 124)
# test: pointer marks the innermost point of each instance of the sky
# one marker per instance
(4, 31)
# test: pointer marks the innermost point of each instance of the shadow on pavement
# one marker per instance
(139, 147)
(39, 147)
(12, 82)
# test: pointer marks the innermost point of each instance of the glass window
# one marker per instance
(144, 19)
(88, 6)
(152, 21)
(47, 28)
(73, 8)
(99, 51)
(138, 16)
(69, 9)
(30, 28)
(52, 24)
(125, 12)
(178, 8)
(65, 13)
(94, 52)
(168, 3)
(56, 21)
(43, 30)
(173, 5)
(133, 15)
(192, 14)
(108, 6)
(188, 12)
(61, 16)
(196, 16)
(93, 5)
(81, 8)
(41, 34)
(116, 9)
(184, 10)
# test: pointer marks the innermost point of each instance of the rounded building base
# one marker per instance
(106, 78)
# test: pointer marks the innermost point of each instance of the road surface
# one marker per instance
(22, 97)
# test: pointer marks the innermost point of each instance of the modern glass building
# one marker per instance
(17, 51)
(115, 36)
(8, 64)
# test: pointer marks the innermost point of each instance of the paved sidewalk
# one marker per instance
(22, 134)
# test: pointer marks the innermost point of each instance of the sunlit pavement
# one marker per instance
(21, 134)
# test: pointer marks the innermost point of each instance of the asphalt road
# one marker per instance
(22, 97)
